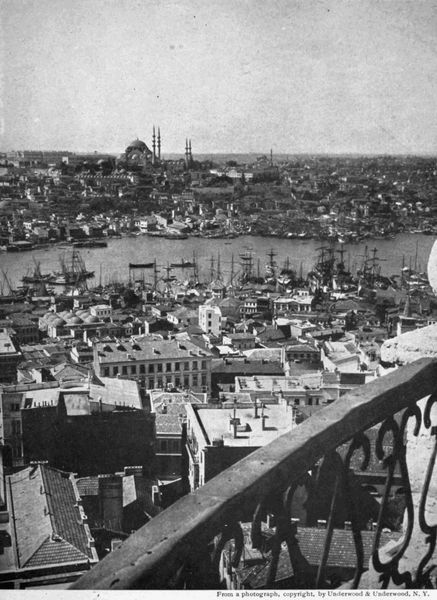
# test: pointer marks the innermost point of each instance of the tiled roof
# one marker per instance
(169, 423)
(88, 486)
(53, 552)
(48, 524)
(65, 511)
(311, 542)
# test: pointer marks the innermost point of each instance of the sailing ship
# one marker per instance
(73, 271)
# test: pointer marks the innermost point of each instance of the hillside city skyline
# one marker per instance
(324, 77)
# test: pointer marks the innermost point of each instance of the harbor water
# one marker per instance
(111, 264)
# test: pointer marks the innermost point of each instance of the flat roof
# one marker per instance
(6, 344)
(149, 348)
(310, 380)
(216, 424)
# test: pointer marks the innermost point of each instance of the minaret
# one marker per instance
(153, 146)
(271, 157)
(159, 144)
(190, 154)
(187, 162)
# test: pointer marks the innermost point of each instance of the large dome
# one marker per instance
(137, 145)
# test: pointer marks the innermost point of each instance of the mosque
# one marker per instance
(139, 154)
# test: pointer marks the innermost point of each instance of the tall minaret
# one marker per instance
(153, 146)
(159, 144)
(271, 157)
(187, 159)
(190, 154)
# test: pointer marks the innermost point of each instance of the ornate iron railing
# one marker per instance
(187, 545)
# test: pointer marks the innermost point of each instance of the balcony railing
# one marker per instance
(187, 545)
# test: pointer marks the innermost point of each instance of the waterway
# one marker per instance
(112, 263)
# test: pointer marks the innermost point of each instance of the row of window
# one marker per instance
(307, 401)
(162, 382)
(134, 369)
(170, 446)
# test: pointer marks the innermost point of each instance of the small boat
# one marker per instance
(141, 265)
(185, 264)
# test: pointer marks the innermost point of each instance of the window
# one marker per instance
(115, 371)
(194, 380)
(177, 366)
(124, 370)
(204, 380)
(186, 381)
(142, 368)
(151, 384)
(16, 427)
(177, 381)
(203, 364)
(159, 367)
(133, 369)
(106, 372)
(159, 382)
(151, 368)
(186, 366)
(168, 367)
(163, 445)
(194, 365)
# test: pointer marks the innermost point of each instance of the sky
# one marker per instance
(297, 76)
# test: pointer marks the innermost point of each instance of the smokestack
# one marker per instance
(263, 417)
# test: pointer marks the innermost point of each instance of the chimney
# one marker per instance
(321, 523)
(348, 525)
(256, 409)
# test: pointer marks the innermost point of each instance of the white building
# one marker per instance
(210, 319)
(101, 311)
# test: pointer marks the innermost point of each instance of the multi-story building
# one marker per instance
(25, 330)
(219, 437)
(170, 417)
(60, 422)
(10, 356)
(45, 537)
(304, 390)
(210, 319)
(155, 363)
